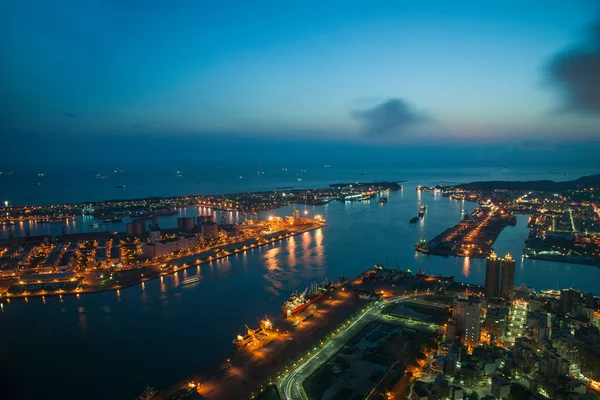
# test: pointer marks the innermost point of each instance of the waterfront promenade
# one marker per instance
(135, 275)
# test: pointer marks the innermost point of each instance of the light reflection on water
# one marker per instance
(200, 321)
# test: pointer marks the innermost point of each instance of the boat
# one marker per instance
(95, 225)
(300, 301)
(261, 172)
(299, 179)
(382, 200)
(414, 220)
(252, 335)
(190, 280)
(422, 275)
(121, 187)
(241, 177)
(362, 173)
(422, 210)
(113, 219)
(149, 393)
(327, 166)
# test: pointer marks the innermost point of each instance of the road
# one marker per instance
(290, 385)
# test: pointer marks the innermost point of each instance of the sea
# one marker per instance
(114, 344)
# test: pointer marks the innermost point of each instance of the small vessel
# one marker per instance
(261, 172)
(414, 220)
(121, 187)
(422, 210)
(303, 170)
(95, 225)
(383, 200)
(190, 280)
(149, 393)
(363, 173)
(241, 177)
(113, 219)
(327, 166)
(299, 179)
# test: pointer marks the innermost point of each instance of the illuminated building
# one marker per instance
(590, 363)
(553, 366)
(209, 230)
(500, 387)
(507, 278)
(467, 314)
(492, 276)
(154, 235)
(167, 247)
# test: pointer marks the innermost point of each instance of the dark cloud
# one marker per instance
(69, 115)
(391, 117)
(576, 71)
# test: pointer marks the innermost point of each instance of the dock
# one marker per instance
(471, 237)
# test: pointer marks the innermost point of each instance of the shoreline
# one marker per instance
(237, 247)
(563, 259)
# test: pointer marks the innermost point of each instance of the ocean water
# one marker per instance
(112, 344)
(68, 184)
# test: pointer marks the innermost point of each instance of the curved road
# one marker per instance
(290, 384)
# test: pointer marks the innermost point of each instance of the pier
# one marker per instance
(471, 237)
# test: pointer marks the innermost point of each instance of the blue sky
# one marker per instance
(384, 72)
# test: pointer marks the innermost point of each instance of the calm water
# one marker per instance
(111, 345)
(73, 185)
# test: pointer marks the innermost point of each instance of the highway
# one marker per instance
(290, 385)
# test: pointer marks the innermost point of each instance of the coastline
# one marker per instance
(564, 259)
(232, 248)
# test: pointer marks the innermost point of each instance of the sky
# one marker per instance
(352, 73)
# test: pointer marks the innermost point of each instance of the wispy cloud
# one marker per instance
(576, 71)
(392, 117)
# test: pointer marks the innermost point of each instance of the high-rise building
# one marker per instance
(590, 363)
(507, 277)
(467, 313)
(492, 276)
(154, 234)
(568, 300)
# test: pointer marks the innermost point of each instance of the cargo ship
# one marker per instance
(422, 275)
(300, 301)
(422, 210)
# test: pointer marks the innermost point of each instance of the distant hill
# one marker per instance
(547, 185)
